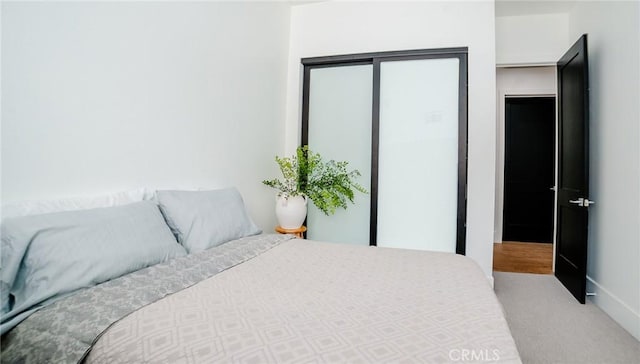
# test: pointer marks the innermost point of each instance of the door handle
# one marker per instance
(579, 202)
(582, 202)
(553, 188)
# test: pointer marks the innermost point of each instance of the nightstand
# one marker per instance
(299, 232)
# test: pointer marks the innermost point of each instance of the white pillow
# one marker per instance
(74, 203)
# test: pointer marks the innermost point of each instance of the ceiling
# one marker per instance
(528, 7)
(502, 7)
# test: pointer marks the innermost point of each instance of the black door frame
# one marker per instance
(375, 59)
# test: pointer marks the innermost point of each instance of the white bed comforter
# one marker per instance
(307, 301)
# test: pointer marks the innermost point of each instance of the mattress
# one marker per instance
(299, 301)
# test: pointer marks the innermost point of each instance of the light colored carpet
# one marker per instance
(550, 326)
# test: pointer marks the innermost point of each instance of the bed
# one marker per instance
(276, 299)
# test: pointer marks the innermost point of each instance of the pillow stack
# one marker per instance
(45, 257)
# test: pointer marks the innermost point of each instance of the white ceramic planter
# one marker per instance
(291, 211)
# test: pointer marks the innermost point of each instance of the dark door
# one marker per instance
(573, 169)
(529, 169)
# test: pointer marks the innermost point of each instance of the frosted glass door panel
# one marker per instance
(418, 154)
(340, 129)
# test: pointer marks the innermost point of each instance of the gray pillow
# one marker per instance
(204, 219)
(44, 256)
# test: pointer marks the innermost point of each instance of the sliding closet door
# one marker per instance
(400, 118)
(339, 128)
(418, 154)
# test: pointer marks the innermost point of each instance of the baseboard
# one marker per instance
(619, 311)
(490, 278)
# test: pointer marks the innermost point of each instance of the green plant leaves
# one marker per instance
(330, 185)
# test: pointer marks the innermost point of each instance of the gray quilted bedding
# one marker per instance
(283, 301)
(64, 331)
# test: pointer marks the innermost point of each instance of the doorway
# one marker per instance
(525, 169)
(529, 169)
(529, 177)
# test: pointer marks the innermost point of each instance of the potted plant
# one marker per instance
(329, 185)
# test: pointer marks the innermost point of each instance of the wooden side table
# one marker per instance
(297, 232)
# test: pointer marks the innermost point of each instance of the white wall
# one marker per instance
(531, 39)
(101, 97)
(614, 237)
(517, 81)
(335, 28)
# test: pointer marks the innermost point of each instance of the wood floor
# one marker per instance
(511, 256)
